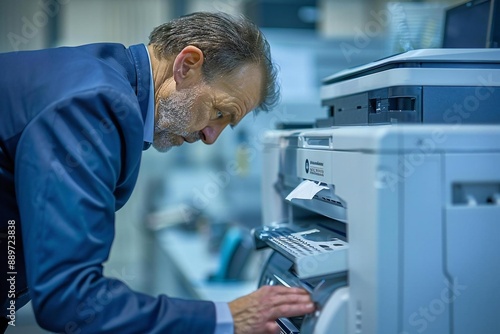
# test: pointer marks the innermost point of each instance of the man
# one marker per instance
(74, 122)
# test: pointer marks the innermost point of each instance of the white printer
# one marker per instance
(394, 228)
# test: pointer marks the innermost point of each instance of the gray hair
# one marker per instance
(227, 43)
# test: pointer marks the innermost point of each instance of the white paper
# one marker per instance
(305, 190)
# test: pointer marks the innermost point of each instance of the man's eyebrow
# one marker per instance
(232, 120)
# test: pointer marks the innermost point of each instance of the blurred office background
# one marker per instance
(200, 191)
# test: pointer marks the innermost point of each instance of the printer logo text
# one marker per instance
(314, 167)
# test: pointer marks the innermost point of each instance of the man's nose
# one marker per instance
(209, 134)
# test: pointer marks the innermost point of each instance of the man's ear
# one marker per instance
(187, 65)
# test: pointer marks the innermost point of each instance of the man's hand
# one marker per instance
(256, 313)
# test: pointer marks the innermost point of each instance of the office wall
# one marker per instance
(122, 21)
(25, 25)
(29, 25)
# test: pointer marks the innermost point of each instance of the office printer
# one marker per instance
(451, 86)
(391, 222)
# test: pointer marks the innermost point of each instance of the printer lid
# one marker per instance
(420, 58)
(403, 138)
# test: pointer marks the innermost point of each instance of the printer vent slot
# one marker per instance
(475, 194)
(329, 200)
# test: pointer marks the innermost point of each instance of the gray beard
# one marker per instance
(173, 118)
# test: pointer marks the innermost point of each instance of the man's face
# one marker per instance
(202, 110)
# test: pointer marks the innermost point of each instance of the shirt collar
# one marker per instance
(150, 119)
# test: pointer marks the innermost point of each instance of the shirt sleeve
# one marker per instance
(224, 323)
(71, 165)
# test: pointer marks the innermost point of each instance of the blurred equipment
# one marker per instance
(473, 24)
(235, 252)
(393, 228)
(292, 14)
(414, 25)
(173, 215)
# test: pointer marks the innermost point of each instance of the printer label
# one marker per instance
(314, 167)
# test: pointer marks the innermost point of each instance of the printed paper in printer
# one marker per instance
(305, 190)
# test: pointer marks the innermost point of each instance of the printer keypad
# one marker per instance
(297, 246)
(306, 250)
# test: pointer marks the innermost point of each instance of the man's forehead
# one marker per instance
(246, 84)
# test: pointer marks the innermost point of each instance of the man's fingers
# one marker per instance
(291, 310)
(257, 312)
(278, 289)
(287, 302)
(272, 327)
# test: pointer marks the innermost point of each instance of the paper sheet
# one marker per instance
(305, 190)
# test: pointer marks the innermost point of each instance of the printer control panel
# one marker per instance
(306, 243)
(314, 252)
